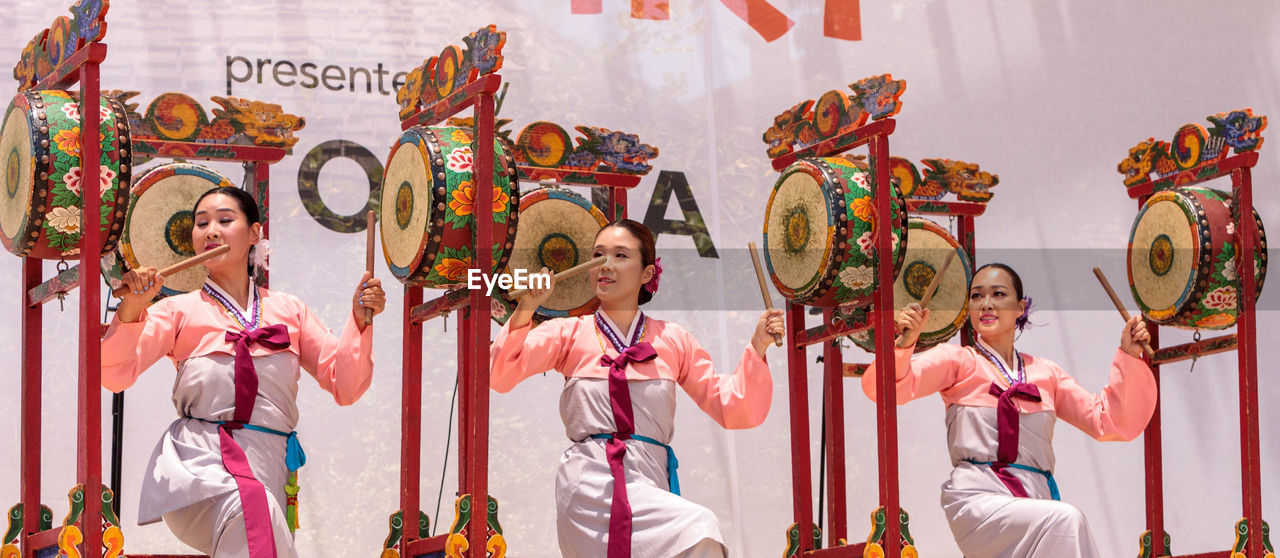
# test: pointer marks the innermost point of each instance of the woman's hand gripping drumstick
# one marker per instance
(1135, 335)
(147, 281)
(764, 293)
(369, 299)
(531, 299)
(914, 315)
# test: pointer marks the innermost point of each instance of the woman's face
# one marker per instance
(993, 303)
(618, 281)
(219, 221)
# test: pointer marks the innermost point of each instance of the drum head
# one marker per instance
(558, 230)
(16, 177)
(157, 230)
(407, 197)
(1164, 254)
(798, 232)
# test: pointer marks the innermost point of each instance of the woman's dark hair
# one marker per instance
(1017, 281)
(648, 253)
(248, 206)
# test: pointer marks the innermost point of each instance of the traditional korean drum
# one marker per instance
(1183, 259)
(928, 246)
(558, 230)
(157, 229)
(40, 203)
(428, 207)
(818, 240)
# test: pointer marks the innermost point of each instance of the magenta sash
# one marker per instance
(1007, 426)
(616, 448)
(253, 496)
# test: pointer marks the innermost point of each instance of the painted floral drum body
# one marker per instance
(40, 184)
(157, 229)
(928, 246)
(1183, 259)
(818, 240)
(428, 207)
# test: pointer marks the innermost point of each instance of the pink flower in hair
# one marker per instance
(652, 285)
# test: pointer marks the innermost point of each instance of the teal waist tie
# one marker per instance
(1053, 484)
(294, 457)
(673, 479)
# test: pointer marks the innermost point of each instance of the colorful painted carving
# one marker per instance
(1238, 131)
(456, 544)
(942, 176)
(51, 47)
(393, 546)
(547, 145)
(1242, 540)
(875, 541)
(1145, 542)
(455, 67)
(793, 540)
(833, 114)
(71, 536)
(176, 117)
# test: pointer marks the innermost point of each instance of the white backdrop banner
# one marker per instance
(1048, 94)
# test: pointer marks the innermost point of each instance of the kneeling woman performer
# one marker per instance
(220, 475)
(616, 490)
(1001, 499)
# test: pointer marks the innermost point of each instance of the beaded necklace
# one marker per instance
(249, 323)
(615, 339)
(999, 364)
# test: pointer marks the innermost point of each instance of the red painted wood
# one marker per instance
(965, 232)
(1204, 347)
(1219, 554)
(957, 208)
(579, 178)
(89, 462)
(852, 551)
(1247, 351)
(225, 152)
(422, 546)
(38, 540)
(262, 193)
(833, 378)
(478, 340)
(828, 331)
(441, 110)
(1143, 190)
(886, 402)
(864, 135)
(464, 397)
(801, 468)
(32, 354)
(1153, 456)
(410, 415)
(439, 306)
(69, 71)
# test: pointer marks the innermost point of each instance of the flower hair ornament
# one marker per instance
(1024, 321)
(258, 255)
(652, 285)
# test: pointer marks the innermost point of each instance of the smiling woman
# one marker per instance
(224, 475)
(1001, 499)
(617, 491)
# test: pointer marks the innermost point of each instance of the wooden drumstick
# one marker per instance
(1106, 285)
(370, 220)
(764, 290)
(180, 266)
(575, 270)
(928, 294)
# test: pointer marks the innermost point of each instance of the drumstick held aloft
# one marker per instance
(575, 270)
(928, 293)
(1106, 285)
(764, 290)
(180, 266)
(370, 220)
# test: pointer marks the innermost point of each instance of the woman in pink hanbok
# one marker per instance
(1001, 499)
(223, 476)
(617, 494)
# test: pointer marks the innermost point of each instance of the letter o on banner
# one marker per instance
(309, 190)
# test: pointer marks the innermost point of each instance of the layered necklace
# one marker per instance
(248, 323)
(614, 337)
(1011, 377)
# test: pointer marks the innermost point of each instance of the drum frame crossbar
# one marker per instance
(1244, 342)
(892, 539)
(472, 334)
